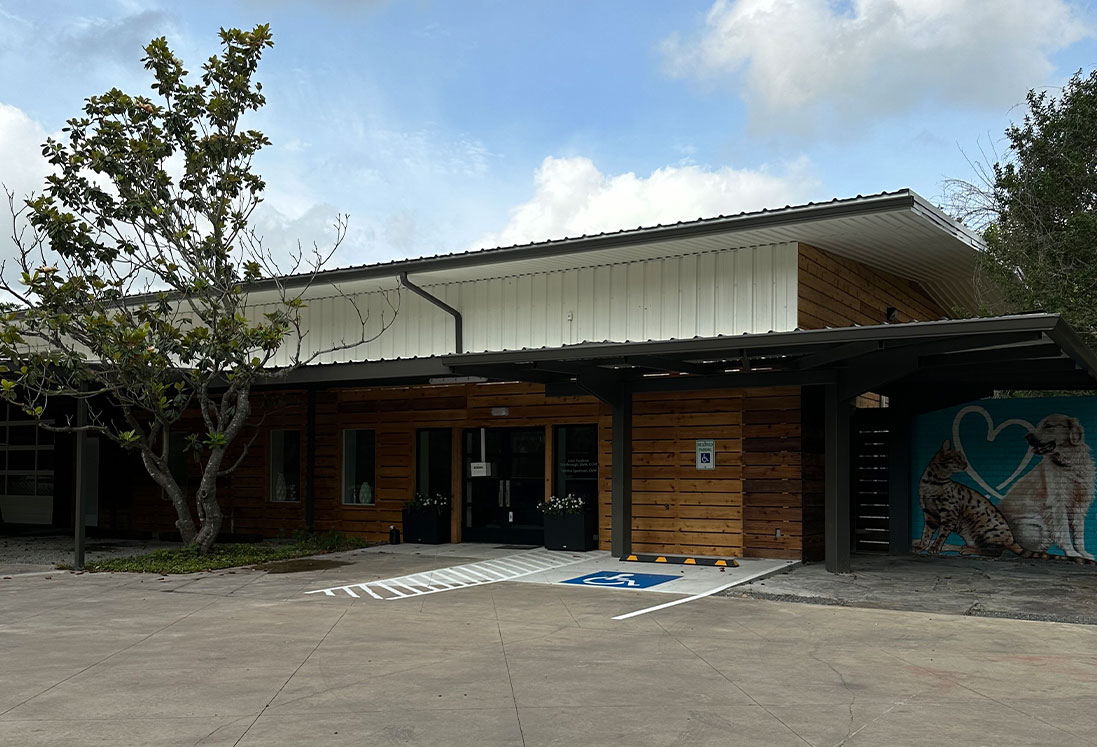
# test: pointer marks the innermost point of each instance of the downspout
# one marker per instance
(458, 323)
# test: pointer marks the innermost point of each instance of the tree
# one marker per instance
(1038, 207)
(138, 288)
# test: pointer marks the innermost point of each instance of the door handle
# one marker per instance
(508, 493)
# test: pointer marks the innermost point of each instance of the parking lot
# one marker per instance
(249, 657)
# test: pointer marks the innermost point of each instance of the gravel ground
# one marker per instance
(28, 554)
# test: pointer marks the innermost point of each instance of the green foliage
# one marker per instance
(562, 506)
(1042, 235)
(187, 559)
(136, 264)
(436, 503)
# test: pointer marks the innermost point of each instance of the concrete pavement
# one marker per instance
(1048, 590)
(246, 657)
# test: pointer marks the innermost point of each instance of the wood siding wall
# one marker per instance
(839, 292)
(735, 509)
(677, 508)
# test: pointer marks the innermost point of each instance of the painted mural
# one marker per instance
(1007, 474)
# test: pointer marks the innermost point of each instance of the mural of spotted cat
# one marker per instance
(950, 506)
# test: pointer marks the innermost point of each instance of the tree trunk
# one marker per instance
(185, 522)
(206, 499)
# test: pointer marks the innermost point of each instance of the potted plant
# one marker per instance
(568, 524)
(426, 519)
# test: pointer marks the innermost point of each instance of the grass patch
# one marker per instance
(187, 559)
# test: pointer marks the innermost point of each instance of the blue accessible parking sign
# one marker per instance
(621, 580)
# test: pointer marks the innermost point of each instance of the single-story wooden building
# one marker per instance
(696, 383)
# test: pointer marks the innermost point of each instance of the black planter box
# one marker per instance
(426, 527)
(570, 532)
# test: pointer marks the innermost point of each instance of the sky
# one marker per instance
(448, 125)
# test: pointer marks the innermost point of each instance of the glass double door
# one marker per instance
(503, 507)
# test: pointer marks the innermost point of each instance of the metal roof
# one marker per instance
(899, 232)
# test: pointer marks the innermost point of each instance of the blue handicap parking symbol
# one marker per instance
(706, 458)
(621, 580)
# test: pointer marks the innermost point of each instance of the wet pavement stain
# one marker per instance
(299, 565)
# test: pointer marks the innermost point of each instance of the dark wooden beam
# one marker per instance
(1004, 354)
(80, 492)
(660, 363)
(621, 491)
(837, 353)
(900, 500)
(837, 519)
(310, 459)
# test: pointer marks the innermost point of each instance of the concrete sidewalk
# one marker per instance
(244, 657)
(1052, 591)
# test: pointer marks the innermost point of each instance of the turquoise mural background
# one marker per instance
(992, 436)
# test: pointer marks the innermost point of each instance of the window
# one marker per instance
(576, 454)
(358, 468)
(285, 466)
(433, 461)
(26, 469)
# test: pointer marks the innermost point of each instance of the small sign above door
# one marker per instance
(481, 469)
(706, 453)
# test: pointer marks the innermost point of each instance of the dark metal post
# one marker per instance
(310, 459)
(79, 489)
(899, 497)
(837, 490)
(621, 534)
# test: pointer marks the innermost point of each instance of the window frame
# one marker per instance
(346, 464)
(271, 465)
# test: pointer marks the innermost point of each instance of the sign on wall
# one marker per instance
(706, 453)
(1006, 474)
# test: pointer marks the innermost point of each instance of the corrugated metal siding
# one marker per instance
(732, 291)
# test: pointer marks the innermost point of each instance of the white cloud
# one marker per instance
(22, 167)
(802, 65)
(572, 198)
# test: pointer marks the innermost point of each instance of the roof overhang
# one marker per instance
(1033, 351)
(899, 232)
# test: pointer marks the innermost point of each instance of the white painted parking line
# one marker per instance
(676, 602)
(702, 595)
(480, 573)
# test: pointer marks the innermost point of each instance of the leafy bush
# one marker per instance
(569, 504)
(437, 503)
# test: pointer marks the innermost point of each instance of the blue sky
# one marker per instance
(444, 125)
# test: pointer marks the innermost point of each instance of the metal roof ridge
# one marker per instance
(882, 202)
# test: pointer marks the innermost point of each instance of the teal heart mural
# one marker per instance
(1014, 474)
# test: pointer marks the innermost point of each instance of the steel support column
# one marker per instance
(621, 521)
(79, 488)
(310, 459)
(837, 521)
(899, 498)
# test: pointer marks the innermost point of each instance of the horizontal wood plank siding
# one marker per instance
(773, 500)
(734, 509)
(677, 508)
(838, 292)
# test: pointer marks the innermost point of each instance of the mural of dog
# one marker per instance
(1049, 504)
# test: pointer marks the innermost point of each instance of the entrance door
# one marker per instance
(504, 507)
